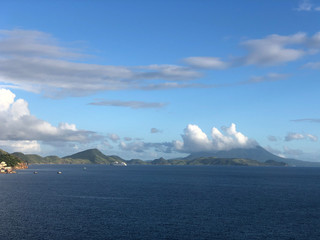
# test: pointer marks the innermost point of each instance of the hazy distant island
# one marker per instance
(256, 156)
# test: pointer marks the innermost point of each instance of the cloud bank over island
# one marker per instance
(195, 140)
(22, 131)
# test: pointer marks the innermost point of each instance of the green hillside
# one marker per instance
(217, 162)
(91, 156)
(94, 156)
(233, 162)
(11, 160)
(36, 159)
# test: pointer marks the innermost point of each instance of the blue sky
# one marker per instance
(145, 79)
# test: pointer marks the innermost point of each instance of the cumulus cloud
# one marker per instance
(17, 124)
(36, 62)
(21, 146)
(195, 140)
(130, 104)
(300, 136)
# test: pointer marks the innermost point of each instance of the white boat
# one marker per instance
(121, 164)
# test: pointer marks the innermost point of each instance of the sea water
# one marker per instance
(160, 202)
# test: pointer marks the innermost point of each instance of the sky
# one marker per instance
(149, 79)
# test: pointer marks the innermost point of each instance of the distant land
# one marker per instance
(12, 161)
(256, 156)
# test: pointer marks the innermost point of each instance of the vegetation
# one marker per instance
(91, 156)
(94, 156)
(217, 162)
(10, 159)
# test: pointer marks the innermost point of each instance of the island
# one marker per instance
(257, 156)
(9, 163)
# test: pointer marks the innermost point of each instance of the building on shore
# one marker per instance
(4, 168)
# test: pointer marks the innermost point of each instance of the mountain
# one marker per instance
(91, 156)
(233, 162)
(94, 156)
(256, 156)
(216, 162)
(257, 153)
(36, 159)
(137, 162)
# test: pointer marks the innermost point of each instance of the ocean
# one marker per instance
(160, 202)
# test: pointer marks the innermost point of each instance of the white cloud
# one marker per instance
(20, 146)
(307, 6)
(166, 71)
(312, 137)
(140, 146)
(273, 49)
(36, 62)
(32, 43)
(300, 136)
(7, 98)
(67, 126)
(130, 104)
(206, 62)
(17, 124)
(288, 152)
(195, 140)
(269, 51)
(113, 137)
(136, 146)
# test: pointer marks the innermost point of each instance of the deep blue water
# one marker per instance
(160, 202)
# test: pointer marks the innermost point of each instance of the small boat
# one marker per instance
(84, 168)
(35, 172)
(59, 172)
